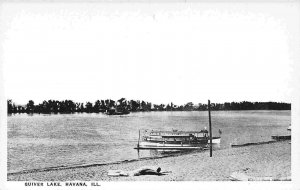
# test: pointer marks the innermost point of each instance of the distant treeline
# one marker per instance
(68, 106)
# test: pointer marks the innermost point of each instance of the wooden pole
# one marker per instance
(210, 132)
(138, 146)
(139, 141)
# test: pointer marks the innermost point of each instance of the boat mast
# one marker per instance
(210, 132)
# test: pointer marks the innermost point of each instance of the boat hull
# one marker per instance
(177, 146)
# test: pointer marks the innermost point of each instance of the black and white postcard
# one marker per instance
(139, 94)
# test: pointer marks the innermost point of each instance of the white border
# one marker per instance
(294, 184)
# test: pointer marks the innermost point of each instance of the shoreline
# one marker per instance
(54, 168)
(257, 161)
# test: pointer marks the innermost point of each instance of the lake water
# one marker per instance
(40, 141)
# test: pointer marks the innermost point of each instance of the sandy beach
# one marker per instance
(260, 162)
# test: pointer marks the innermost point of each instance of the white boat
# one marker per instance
(176, 140)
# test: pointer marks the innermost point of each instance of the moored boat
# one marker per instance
(180, 140)
(114, 112)
(176, 140)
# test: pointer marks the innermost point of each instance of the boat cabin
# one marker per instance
(176, 136)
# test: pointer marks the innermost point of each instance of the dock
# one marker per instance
(281, 137)
(275, 138)
(250, 144)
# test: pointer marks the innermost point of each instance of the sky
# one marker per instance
(157, 52)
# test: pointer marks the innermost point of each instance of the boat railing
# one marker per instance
(164, 133)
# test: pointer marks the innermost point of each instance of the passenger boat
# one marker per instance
(114, 112)
(179, 140)
(176, 140)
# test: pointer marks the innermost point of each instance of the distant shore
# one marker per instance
(123, 105)
(272, 161)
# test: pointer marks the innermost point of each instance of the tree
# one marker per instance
(103, 108)
(168, 108)
(81, 107)
(9, 106)
(143, 106)
(89, 107)
(68, 106)
(30, 106)
(97, 106)
(134, 105)
(122, 105)
(189, 106)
